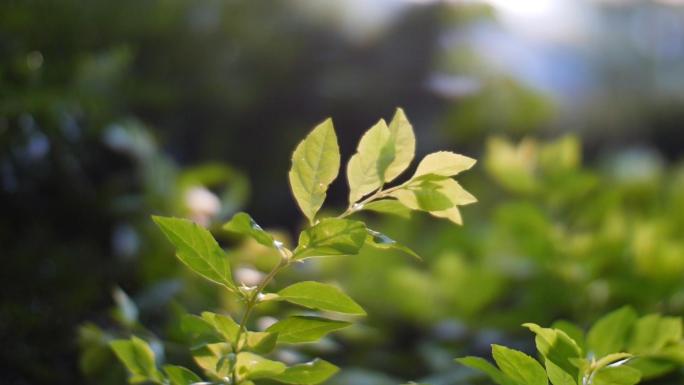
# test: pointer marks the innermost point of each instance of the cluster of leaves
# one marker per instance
(225, 349)
(619, 349)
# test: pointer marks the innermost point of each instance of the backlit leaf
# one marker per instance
(320, 296)
(518, 366)
(366, 168)
(242, 223)
(315, 164)
(403, 142)
(300, 329)
(197, 249)
(309, 373)
(331, 236)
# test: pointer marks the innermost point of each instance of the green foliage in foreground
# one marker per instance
(619, 349)
(224, 348)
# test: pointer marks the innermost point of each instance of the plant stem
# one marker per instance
(378, 194)
(250, 304)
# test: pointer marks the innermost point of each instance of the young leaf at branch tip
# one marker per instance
(443, 163)
(179, 375)
(381, 241)
(404, 142)
(331, 236)
(557, 347)
(261, 342)
(309, 373)
(138, 358)
(242, 223)
(388, 206)
(439, 196)
(518, 366)
(558, 376)
(366, 168)
(316, 295)
(302, 329)
(315, 164)
(197, 249)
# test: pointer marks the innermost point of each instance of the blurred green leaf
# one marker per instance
(381, 241)
(138, 358)
(179, 375)
(609, 334)
(486, 367)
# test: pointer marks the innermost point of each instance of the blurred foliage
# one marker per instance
(87, 87)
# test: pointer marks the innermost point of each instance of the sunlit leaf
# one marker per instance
(309, 373)
(389, 206)
(331, 236)
(315, 164)
(197, 249)
(518, 366)
(403, 142)
(252, 366)
(366, 168)
(320, 296)
(443, 163)
(138, 358)
(300, 329)
(223, 324)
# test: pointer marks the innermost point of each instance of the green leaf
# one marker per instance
(200, 331)
(138, 358)
(331, 236)
(403, 142)
(620, 375)
(252, 366)
(443, 163)
(381, 241)
(309, 373)
(389, 206)
(179, 375)
(223, 324)
(653, 332)
(609, 334)
(261, 342)
(453, 214)
(301, 329)
(212, 358)
(518, 366)
(558, 376)
(366, 168)
(197, 249)
(425, 196)
(573, 331)
(242, 223)
(126, 310)
(557, 347)
(320, 296)
(315, 164)
(484, 366)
